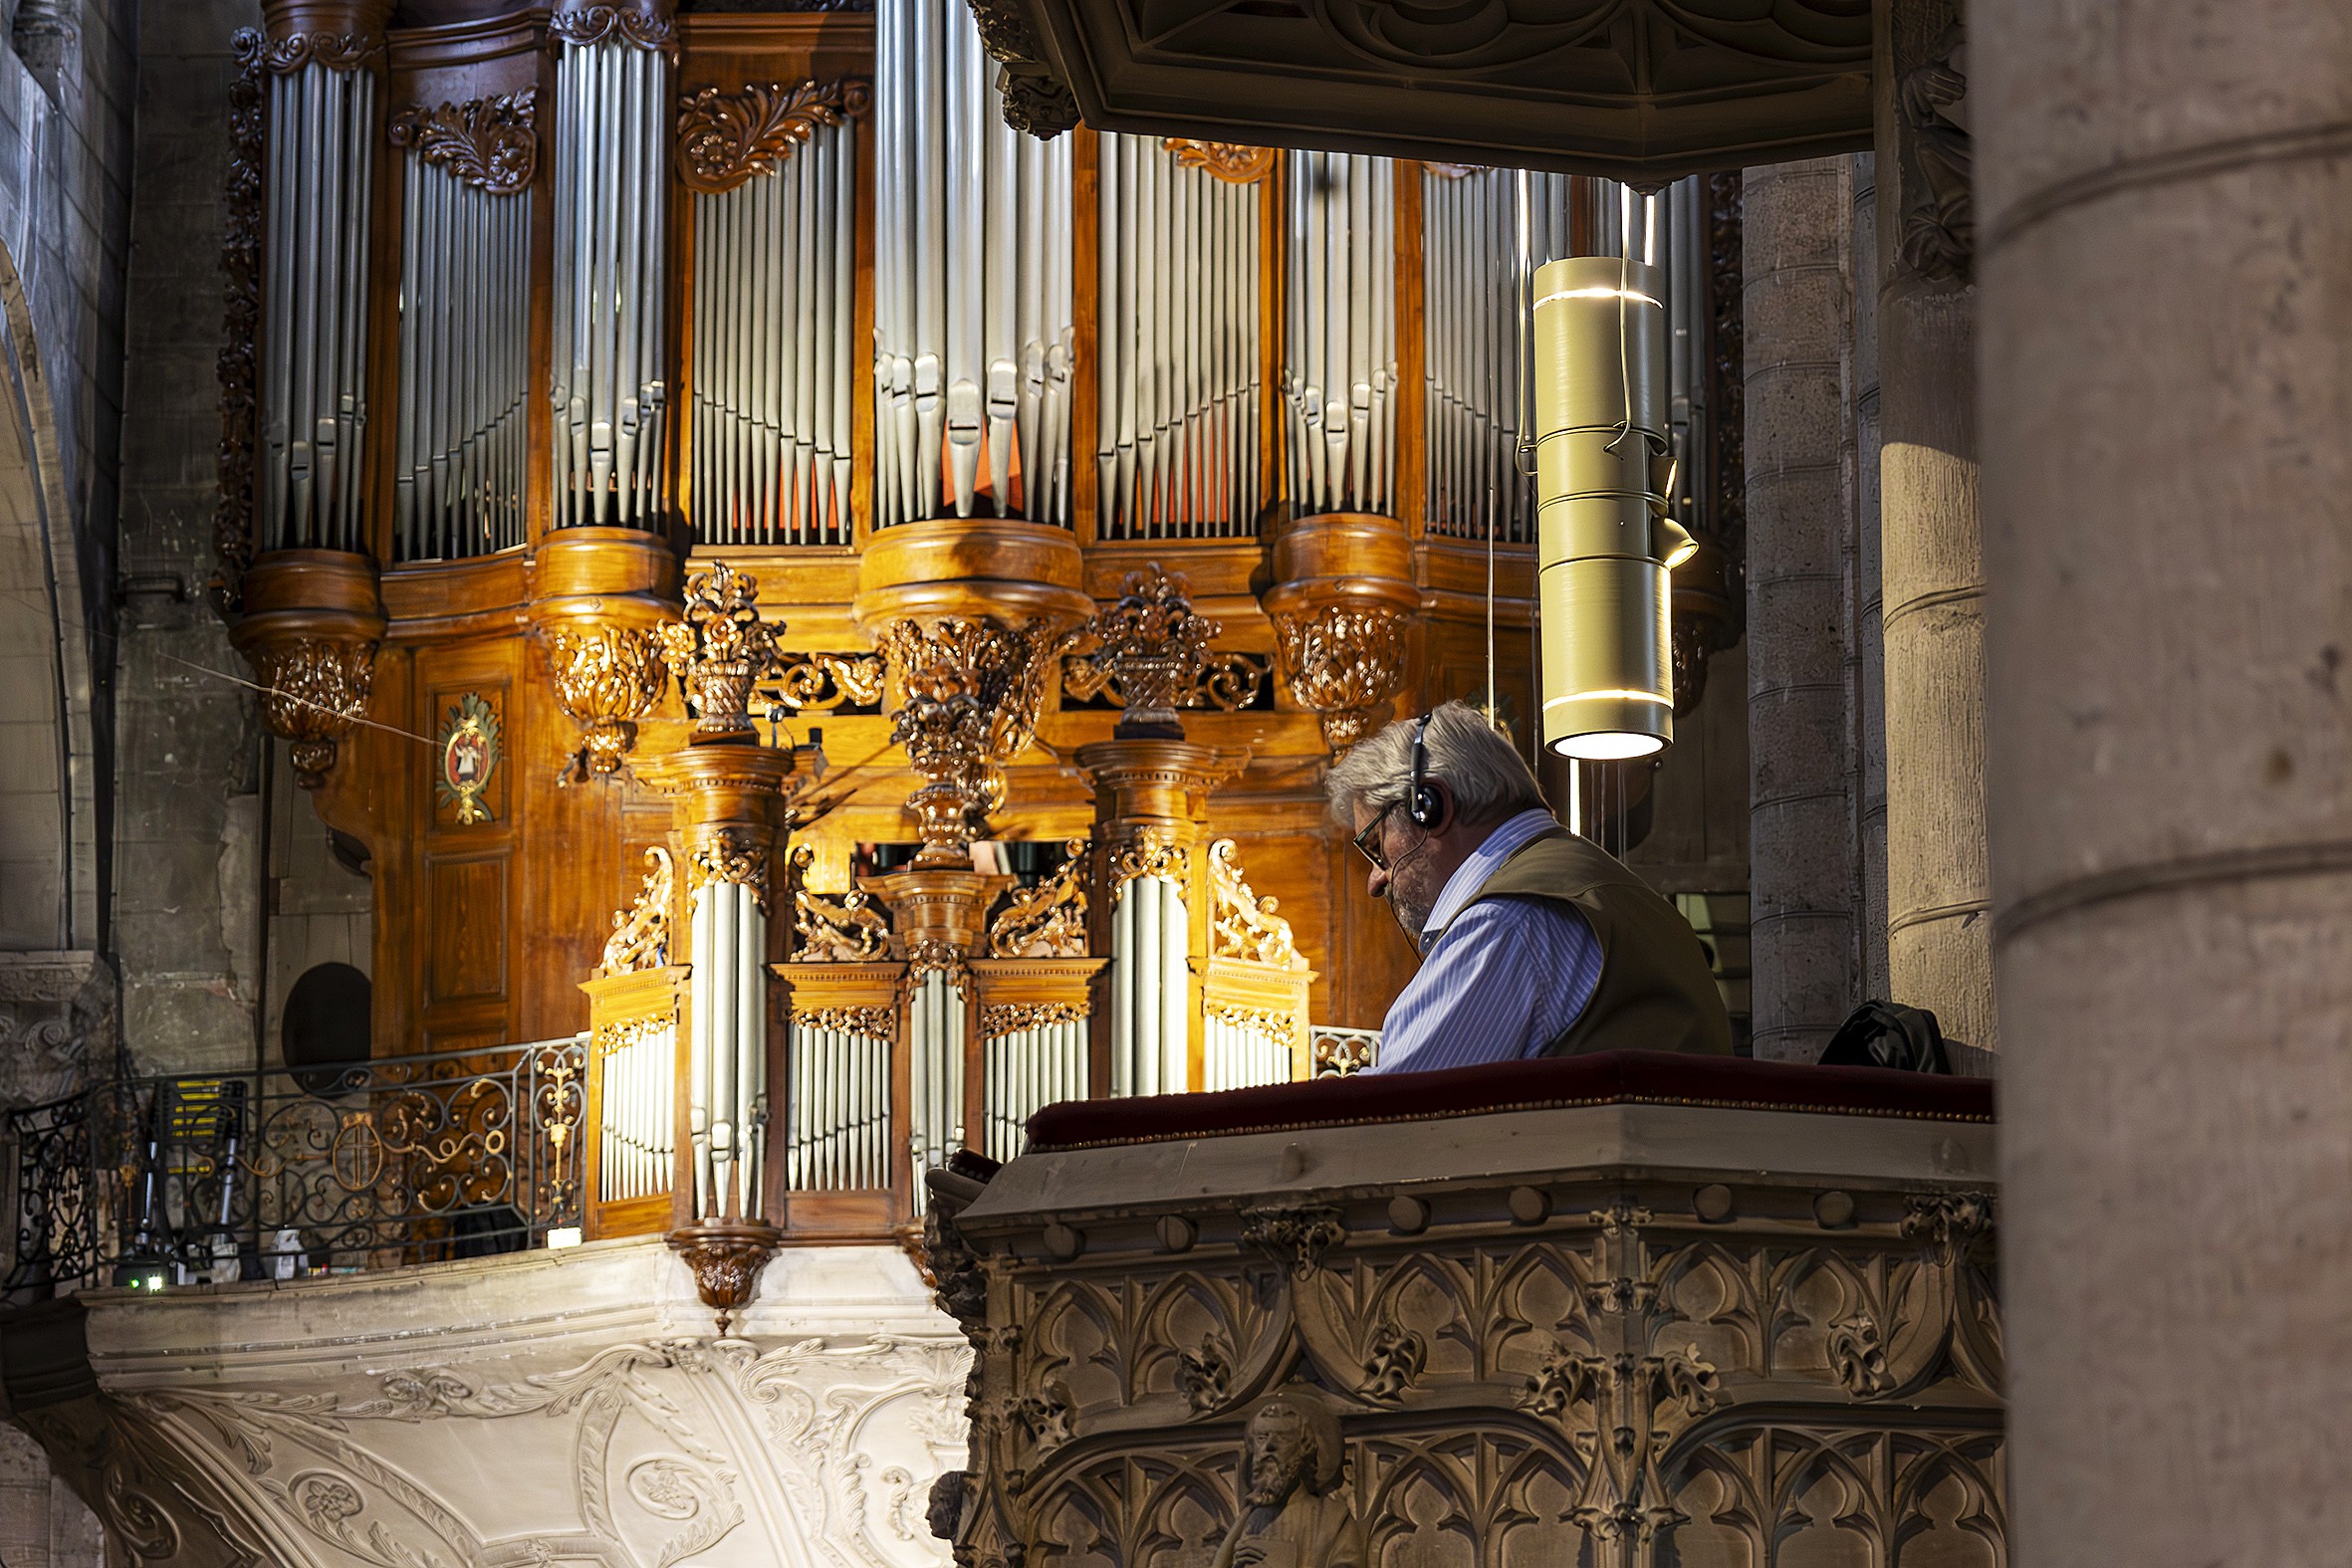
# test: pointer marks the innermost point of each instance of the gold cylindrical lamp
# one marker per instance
(1604, 543)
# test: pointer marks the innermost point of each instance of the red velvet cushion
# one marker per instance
(1616, 1077)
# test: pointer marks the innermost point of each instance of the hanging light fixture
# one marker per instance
(1605, 546)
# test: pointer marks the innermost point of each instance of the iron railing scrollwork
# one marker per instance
(257, 1175)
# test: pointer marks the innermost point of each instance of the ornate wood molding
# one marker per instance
(490, 142)
(645, 23)
(607, 677)
(1151, 650)
(724, 138)
(240, 265)
(1011, 1018)
(1242, 925)
(1344, 660)
(1049, 920)
(729, 854)
(719, 649)
(846, 930)
(875, 1023)
(1037, 102)
(1234, 162)
(641, 933)
(318, 688)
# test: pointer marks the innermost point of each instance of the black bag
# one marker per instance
(1889, 1034)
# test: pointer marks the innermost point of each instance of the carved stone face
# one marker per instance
(1282, 1453)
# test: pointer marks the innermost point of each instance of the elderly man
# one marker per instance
(1533, 942)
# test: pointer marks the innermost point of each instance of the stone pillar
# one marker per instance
(1801, 857)
(2168, 217)
(1939, 952)
(1868, 687)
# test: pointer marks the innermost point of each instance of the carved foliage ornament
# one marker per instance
(1152, 851)
(822, 682)
(846, 930)
(488, 143)
(719, 650)
(318, 689)
(336, 50)
(1240, 924)
(641, 933)
(607, 676)
(724, 138)
(1015, 1018)
(970, 695)
(1229, 161)
(1344, 661)
(728, 855)
(874, 1024)
(240, 264)
(1049, 920)
(1152, 648)
(644, 22)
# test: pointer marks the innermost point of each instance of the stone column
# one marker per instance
(1939, 952)
(1868, 665)
(1802, 849)
(2167, 222)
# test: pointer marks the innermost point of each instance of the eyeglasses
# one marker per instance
(1367, 842)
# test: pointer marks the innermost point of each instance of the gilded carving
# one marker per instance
(719, 650)
(728, 855)
(1240, 924)
(822, 682)
(1344, 661)
(874, 1024)
(1049, 920)
(607, 675)
(469, 745)
(1149, 851)
(970, 693)
(846, 930)
(725, 139)
(1151, 650)
(1231, 161)
(316, 689)
(641, 933)
(1013, 1017)
(488, 143)
(240, 265)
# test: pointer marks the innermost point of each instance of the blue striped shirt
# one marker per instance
(1500, 979)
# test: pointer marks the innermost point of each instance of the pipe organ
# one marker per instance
(944, 388)
(609, 383)
(775, 292)
(461, 444)
(1339, 358)
(1179, 236)
(973, 285)
(324, 122)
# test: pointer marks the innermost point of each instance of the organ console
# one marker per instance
(916, 569)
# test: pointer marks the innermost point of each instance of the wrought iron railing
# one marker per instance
(1336, 1052)
(270, 1175)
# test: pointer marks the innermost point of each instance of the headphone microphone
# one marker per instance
(1422, 805)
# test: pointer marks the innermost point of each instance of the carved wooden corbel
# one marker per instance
(489, 142)
(725, 139)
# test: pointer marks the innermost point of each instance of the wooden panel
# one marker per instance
(466, 915)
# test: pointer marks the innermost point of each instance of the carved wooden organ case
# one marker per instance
(615, 393)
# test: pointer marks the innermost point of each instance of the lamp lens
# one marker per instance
(1608, 746)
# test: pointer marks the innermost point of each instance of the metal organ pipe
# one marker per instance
(323, 124)
(1150, 989)
(775, 291)
(1339, 358)
(973, 331)
(1176, 452)
(608, 390)
(459, 439)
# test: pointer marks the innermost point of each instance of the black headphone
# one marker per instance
(1422, 805)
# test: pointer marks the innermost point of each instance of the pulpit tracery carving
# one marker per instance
(1626, 1374)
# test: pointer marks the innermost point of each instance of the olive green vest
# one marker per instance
(1656, 992)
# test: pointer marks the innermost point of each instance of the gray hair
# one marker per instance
(1481, 769)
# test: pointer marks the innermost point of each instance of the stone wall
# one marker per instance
(189, 775)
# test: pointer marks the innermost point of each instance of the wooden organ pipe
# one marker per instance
(612, 111)
(1339, 350)
(1178, 388)
(972, 334)
(314, 403)
(776, 289)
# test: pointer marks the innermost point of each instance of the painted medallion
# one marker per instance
(469, 755)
